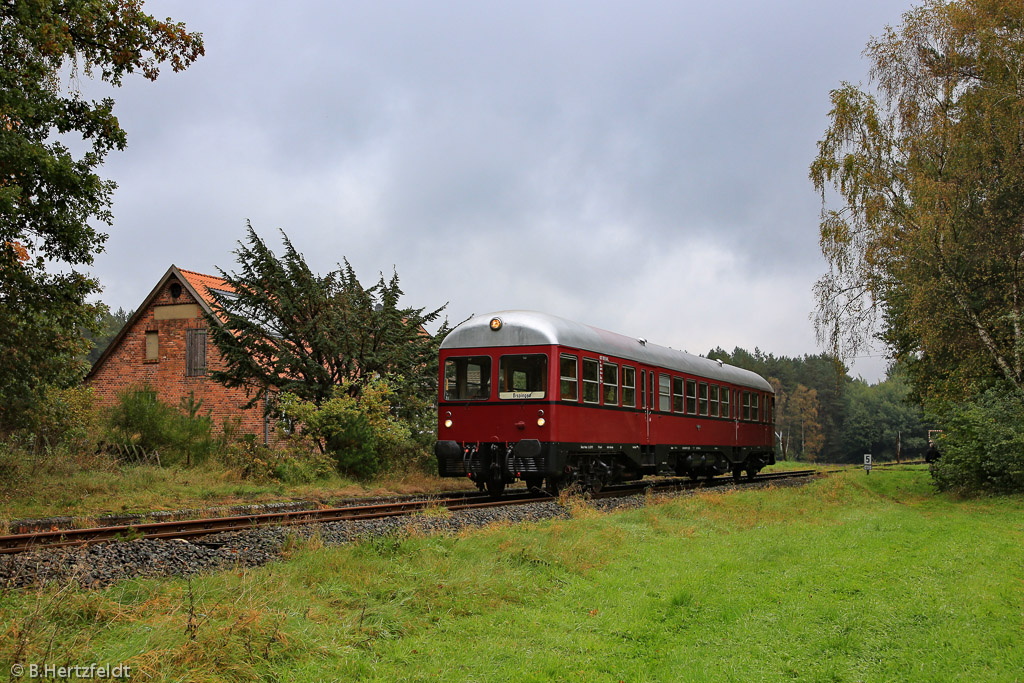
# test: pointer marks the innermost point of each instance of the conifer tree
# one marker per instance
(286, 328)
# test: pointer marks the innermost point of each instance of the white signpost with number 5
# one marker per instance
(867, 463)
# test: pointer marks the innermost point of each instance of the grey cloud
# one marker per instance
(532, 153)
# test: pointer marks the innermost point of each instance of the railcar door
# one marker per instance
(645, 432)
(736, 416)
(652, 396)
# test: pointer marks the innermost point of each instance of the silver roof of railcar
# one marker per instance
(530, 328)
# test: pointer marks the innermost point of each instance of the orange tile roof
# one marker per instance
(204, 283)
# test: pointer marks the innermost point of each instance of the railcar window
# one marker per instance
(611, 384)
(713, 407)
(522, 377)
(725, 402)
(691, 397)
(591, 381)
(467, 378)
(677, 395)
(643, 389)
(753, 407)
(746, 405)
(568, 370)
(628, 386)
(664, 393)
(703, 398)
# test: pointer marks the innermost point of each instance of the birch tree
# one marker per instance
(921, 178)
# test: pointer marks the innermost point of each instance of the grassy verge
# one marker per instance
(851, 578)
(91, 491)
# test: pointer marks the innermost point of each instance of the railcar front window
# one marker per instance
(628, 386)
(753, 408)
(591, 381)
(568, 370)
(523, 377)
(467, 378)
(691, 397)
(714, 400)
(725, 402)
(704, 398)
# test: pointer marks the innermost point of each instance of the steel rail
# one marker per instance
(196, 527)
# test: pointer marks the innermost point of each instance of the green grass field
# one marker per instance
(849, 578)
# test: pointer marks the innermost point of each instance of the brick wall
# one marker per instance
(126, 365)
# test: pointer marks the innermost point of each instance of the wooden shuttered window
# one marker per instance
(195, 353)
(152, 345)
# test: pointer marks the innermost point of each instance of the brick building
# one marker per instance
(164, 345)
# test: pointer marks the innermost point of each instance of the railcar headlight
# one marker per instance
(495, 324)
(540, 421)
(448, 423)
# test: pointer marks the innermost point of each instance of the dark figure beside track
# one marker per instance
(932, 454)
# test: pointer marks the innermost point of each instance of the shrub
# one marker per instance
(294, 465)
(196, 431)
(982, 449)
(141, 422)
(60, 436)
(66, 417)
(290, 467)
(360, 433)
(249, 457)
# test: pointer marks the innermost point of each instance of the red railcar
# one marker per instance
(530, 396)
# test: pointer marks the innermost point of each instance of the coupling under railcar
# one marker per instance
(534, 397)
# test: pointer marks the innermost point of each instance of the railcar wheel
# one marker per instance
(554, 485)
(495, 487)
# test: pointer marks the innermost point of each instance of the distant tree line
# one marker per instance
(106, 327)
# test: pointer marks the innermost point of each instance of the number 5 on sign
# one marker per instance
(867, 463)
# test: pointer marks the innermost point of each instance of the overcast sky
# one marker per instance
(637, 166)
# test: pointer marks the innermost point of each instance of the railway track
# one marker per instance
(184, 529)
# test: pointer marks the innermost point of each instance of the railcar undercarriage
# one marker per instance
(493, 466)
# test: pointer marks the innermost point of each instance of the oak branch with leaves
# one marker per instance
(50, 199)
